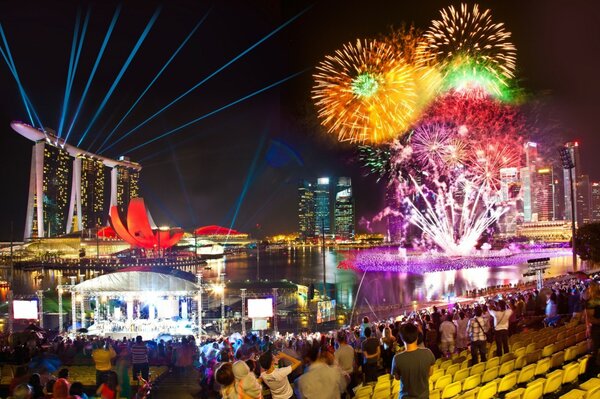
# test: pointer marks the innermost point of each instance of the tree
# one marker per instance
(587, 242)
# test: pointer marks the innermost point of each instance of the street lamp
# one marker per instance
(568, 164)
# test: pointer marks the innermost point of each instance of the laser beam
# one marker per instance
(13, 68)
(152, 82)
(239, 100)
(200, 83)
(120, 75)
(73, 63)
(94, 68)
(247, 182)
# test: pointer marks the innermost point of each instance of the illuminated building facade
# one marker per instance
(59, 172)
(48, 190)
(573, 148)
(344, 209)
(595, 202)
(306, 209)
(126, 184)
(87, 196)
(322, 206)
(582, 198)
(510, 188)
(543, 195)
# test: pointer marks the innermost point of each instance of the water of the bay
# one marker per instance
(305, 266)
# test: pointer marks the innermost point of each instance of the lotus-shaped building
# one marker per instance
(138, 230)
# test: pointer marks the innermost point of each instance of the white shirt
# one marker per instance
(344, 356)
(501, 318)
(278, 383)
(321, 382)
(447, 331)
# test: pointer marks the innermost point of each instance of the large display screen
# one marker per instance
(260, 308)
(25, 309)
(325, 311)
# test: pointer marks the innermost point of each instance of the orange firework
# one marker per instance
(366, 92)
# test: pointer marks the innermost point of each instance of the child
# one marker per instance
(246, 383)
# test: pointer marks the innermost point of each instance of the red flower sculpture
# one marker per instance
(138, 231)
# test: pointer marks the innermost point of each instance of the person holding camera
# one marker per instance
(276, 378)
(477, 327)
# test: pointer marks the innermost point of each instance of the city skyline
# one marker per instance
(277, 128)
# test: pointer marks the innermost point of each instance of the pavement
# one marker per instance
(176, 386)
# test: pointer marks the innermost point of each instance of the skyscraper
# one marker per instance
(87, 196)
(323, 206)
(582, 198)
(126, 184)
(54, 164)
(316, 205)
(595, 202)
(573, 148)
(48, 190)
(543, 198)
(344, 209)
(306, 209)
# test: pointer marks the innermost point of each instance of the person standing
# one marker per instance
(477, 328)
(103, 356)
(413, 366)
(276, 379)
(321, 380)
(139, 359)
(122, 370)
(371, 351)
(462, 338)
(592, 321)
(501, 314)
(447, 336)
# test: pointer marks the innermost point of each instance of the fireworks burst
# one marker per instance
(471, 35)
(365, 93)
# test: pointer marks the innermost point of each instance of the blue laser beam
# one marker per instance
(134, 51)
(13, 68)
(23, 97)
(152, 82)
(248, 181)
(239, 100)
(94, 69)
(186, 195)
(73, 63)
(200, 83)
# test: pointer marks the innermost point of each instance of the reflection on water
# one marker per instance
(305, 266)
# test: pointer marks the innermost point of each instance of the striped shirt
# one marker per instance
(139, 353)
(476, 328)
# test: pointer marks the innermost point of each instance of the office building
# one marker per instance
(343, 216)
(595, 202)
(322, 206)
(306, 209)
(59, 172)
(543, 195)
(573, 148)
(321, 199)
(582, 198)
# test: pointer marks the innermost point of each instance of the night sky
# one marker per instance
(253, 153)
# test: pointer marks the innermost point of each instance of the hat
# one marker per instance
(240, 369)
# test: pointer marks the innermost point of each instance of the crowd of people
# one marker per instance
(310, 364)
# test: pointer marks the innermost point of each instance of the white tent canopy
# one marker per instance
(135, 282)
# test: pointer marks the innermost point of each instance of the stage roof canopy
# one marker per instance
(136, 280)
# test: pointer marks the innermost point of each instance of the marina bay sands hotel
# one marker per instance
(67, 185)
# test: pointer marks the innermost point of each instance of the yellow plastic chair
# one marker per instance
(508, 382)
(490, 375)
(548, 350)
(507, 357)
(571, 373)
(506, 367)
(493, 362)
(442, 382)
(533, 391)
(381, 394)
(471, 382)
(461, 375)
(520, 352)
(520, 362)
(557, 359)
(445, 364)
(452, 369)
(542, 366)
(571, 353)
(436, 375)
(488, 391)
(364, 392)
(582, 348)
(530, 348)
(583, 364)
(553, 381)
(574, 394)
(435, 394)
(526, 374)
(478, 368)
(451, 390)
